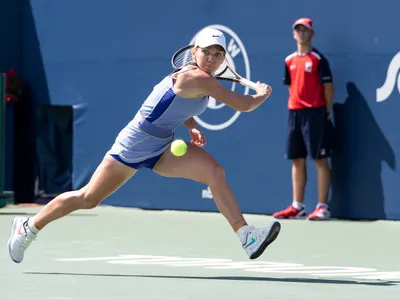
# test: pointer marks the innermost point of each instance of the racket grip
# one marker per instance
(248, 83)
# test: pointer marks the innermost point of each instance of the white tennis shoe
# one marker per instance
(258, 239)
(20, 239)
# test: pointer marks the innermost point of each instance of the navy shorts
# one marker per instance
(148, 163)
(309, 134)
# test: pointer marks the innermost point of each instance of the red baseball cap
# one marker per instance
(305, 22)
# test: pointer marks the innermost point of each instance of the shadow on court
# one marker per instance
(229, 278)
(11, 213)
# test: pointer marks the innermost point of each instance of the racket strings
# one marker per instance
(183, 58)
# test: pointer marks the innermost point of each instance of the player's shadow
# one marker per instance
(229, 278)
(360, 149)
(11, 213)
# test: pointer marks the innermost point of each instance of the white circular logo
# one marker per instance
(237, 57)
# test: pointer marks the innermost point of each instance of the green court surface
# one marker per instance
(122, 253)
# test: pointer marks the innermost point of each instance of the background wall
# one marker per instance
(103, 59)
(10, 57)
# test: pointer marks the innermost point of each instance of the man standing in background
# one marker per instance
(309, 78)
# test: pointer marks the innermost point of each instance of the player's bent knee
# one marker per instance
(89, 201)
(216, 176)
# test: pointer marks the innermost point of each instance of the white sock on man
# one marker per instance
(297, 205)
(324, 205)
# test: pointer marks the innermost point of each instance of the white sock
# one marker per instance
(242, 233)
(324, 205)
(32, 226)
(298, 205)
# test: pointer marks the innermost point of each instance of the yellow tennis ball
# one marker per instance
(178, 147)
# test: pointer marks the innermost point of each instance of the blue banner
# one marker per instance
(104, 58)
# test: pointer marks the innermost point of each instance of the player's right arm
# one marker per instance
(242, 103)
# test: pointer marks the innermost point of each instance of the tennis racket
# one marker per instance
(183, 57)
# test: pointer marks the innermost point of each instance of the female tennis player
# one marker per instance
(145, 142)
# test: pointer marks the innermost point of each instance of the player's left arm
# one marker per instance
(197, 137)
(191, 123)
(325, 77)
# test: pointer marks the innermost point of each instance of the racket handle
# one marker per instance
(248, 83)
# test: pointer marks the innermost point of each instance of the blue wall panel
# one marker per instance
(104, 58)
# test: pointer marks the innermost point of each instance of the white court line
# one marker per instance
(259, 266)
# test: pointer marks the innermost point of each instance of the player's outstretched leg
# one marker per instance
(108, 177)
(200, 166)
